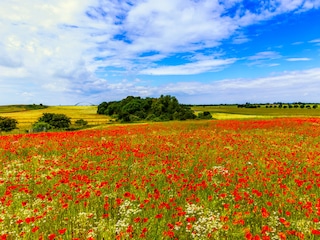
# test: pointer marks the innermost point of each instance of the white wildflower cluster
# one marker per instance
(11, 217)
(10, 170)
(83, 227)
(126, 211)
(105, 227)
(220, 170)
(303, 226)
(207, 222)
(274, 223)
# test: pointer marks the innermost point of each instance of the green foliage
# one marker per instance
(41, 127)
(133, 109)
(205, 115)
(7, 124)
(35, 106)
(81, 122)
(58, 121)
(20, 108)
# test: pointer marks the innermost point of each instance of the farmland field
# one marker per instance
(219, 179)
(233, 112)
(27, 117)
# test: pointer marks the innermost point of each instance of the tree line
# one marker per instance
(279, 105)
(164, 108)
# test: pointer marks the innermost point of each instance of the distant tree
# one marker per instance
(55, 120)
(315, 106)
(7, 124)
(41, 127)
(205, 115)
(102, 107)
(81, 122)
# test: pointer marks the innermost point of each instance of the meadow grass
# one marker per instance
(226, 179)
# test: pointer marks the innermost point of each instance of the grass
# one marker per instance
(225, 179)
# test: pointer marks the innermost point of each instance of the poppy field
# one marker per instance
(220, 179)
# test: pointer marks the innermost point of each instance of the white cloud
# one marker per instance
(57, 46)
(286, 87)
(265, 55)
(298, 59)
(190, 68)
(315, 41)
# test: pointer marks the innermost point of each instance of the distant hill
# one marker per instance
(20, 107)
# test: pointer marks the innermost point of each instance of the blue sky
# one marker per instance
(201, 51)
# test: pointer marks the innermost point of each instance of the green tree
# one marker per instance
(81, 122)
(41, 127)
(102, 107)
(55, 120)
(7, 124)
(132, 108)
(205, 115)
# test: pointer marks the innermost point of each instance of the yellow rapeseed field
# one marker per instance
(26, 118)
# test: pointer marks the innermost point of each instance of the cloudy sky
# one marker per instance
(201, 51)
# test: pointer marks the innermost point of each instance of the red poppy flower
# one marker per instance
(315, 232)
(62, 231)
(34, 229)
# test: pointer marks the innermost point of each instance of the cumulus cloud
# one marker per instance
(61, 47)
(286, 87)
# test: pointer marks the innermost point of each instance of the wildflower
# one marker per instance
(159, 216)
(19, 221)
(264, 213)
(34, 229)
(62, 231)
(51, 236)
(315, 232)
(284, 222)
(169, 233)
(282, 236)
(127, 194)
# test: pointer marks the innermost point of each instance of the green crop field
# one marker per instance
(233, 112)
